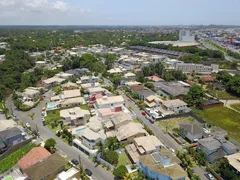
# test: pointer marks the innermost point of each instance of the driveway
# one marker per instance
(70, 152)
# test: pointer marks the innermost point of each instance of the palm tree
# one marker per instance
(128, 176)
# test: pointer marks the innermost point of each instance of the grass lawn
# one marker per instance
(223, 117)
(52, 116)
(57, 90)
(123, 159)
(8, 178)
(1, 105)
(84, 106)
(172, 123)
(12, 159)
(222, 95)
(236, 106)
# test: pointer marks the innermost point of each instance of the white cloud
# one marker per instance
(38, 11)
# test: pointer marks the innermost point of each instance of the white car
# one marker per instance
(27, 125)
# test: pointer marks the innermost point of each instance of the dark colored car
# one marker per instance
(75, 162)
(143, 113)
(88, 172)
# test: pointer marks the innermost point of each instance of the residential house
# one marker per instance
(71, 93)
(70, 174)
(77, 101)
(211, 103)
(35, 155)
(119, 119)
(129, 76)
(10, 137)
(107, 102)
(53, 81)
(153, 101)
(64, 75)
(176, 105)
(138, 71)
(173, 88)
(74, 116)
(144, 93)
(115, 71)
(234, 161)
(106, 112)
(155, 78)
(216, 147)
(97, 90)
(162, 165)
(88, 85)
(89, 79)
(47, 169)
(7, 124)
(207, 79)
(89, 137)
(143, 145)
(40, 64)
(70, 86)
(191, 130)
(129, 131)
(31, 94)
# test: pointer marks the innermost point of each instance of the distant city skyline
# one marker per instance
(124, 12)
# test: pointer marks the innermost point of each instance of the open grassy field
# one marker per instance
(170, 124)
(236, 106)
(223, 117)
(123, 159)
(222, 95)
(12, 159)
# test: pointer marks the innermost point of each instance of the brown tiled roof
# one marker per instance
(33, 156)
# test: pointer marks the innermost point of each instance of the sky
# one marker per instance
(119, 12)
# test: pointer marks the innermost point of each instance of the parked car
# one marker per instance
(209, 176)
(44, 122)
(75, 162)
(143, 113)
(27, 125)
(88, 172)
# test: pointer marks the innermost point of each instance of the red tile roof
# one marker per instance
(35, 155)
(207, 78)
(154, 78)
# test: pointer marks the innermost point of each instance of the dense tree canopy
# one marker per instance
(120, 171)
(195, 95)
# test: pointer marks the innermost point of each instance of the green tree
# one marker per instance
(119, 172)
(149, 85)
(110, 156)
(50, 145)
(195, 95)
(31, 116)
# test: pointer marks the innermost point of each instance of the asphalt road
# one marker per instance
(70, 152)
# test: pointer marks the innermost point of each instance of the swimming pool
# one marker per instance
(80, 129)
(153, 114)
(51, 105)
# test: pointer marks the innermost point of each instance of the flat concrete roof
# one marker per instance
(176, 43)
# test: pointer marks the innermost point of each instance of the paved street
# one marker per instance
(99, 173)
(166, 139)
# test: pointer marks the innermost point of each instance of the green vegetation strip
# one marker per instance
(223, 117)
(12, 159)
(170, 124)
(123, 159)
(236, 106)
